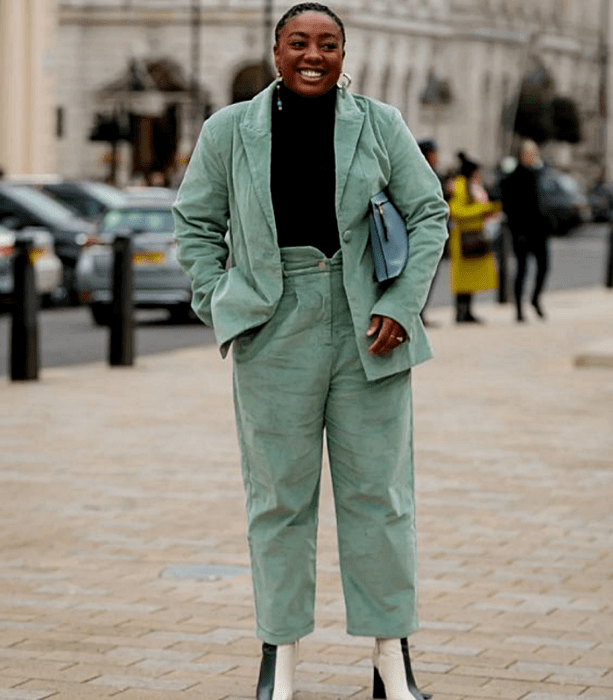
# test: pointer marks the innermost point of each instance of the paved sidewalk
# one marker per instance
(119, 490)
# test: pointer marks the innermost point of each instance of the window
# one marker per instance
(59, 122)
(385, 84)
(138, 220)
(406, 89)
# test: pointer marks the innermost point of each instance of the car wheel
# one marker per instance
(101, 314)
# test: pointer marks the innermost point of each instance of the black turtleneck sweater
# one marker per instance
(303, 177)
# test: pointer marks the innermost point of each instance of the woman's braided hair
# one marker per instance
(303, 7)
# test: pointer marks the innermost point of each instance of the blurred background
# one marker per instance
(101, 102)
(116, 90)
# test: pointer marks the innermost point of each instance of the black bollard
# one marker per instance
(121, 336)
(503, 264)
(24, 325)
(609, 272)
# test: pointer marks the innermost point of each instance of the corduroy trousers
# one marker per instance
(297, 378)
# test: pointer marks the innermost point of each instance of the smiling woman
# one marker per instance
(319, 347)
(309, 52)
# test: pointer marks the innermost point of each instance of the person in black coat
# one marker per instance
(529, 225)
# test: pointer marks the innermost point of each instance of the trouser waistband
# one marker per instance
(300, 260)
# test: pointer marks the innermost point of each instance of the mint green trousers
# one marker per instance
(297, 378)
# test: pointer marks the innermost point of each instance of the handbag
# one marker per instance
(474, 244)
(389, 239)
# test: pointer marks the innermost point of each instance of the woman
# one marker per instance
(529, 225)
(317, 343)
(469, 209)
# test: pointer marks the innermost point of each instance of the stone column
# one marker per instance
(27, 118)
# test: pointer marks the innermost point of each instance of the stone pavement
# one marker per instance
(120, 494)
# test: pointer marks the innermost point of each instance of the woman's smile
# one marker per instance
(311, 74)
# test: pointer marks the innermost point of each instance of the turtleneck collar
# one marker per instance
(303, 161)
(297, 104)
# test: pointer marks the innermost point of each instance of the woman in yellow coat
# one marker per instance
(469, 208)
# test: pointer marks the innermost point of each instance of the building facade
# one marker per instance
(451, 66)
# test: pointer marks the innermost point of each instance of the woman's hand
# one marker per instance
(388, 334)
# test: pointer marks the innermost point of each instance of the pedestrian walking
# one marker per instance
(473, 266)
(529, 225)
(318, 344)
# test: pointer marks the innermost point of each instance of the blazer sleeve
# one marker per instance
(201, 213)
(416, 191)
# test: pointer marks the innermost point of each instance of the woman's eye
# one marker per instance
(330, 47)
(298, 44)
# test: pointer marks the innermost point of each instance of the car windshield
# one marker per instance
(105, 193)
(137, 221)
(42, 205)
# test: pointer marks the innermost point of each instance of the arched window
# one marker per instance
(250, 80)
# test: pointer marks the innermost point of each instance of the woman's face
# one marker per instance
(309, 54)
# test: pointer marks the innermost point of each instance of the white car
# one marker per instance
(47, 265)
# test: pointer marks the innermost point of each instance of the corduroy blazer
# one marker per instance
(226, 233)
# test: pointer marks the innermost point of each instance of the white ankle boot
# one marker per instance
(393, 676)
(276, 681)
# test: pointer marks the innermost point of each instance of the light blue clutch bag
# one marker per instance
(388, 238)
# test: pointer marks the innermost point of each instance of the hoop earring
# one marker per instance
(278, 89)
(344, 81)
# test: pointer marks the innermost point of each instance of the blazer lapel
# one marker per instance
(257, 140)
(349, 121)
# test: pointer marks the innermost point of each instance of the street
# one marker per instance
(67, 336)
(124, 565)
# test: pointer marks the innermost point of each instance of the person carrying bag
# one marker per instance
(322, 352)
(473, 265)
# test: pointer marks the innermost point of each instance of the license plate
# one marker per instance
(153, 257)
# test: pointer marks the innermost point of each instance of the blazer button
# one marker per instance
(346, 236)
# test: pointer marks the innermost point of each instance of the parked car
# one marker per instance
(47, 266)
(88, 199)
(153, 192)
(563, 197)
(600, 198)
(564, 201)
(24, 206)
(159, 281)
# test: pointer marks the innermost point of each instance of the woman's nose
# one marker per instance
(313, 53)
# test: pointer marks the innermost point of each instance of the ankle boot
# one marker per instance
(393, 675)
(461, 308)
(276, 681)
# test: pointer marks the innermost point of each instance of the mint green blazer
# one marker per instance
(226, 234)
